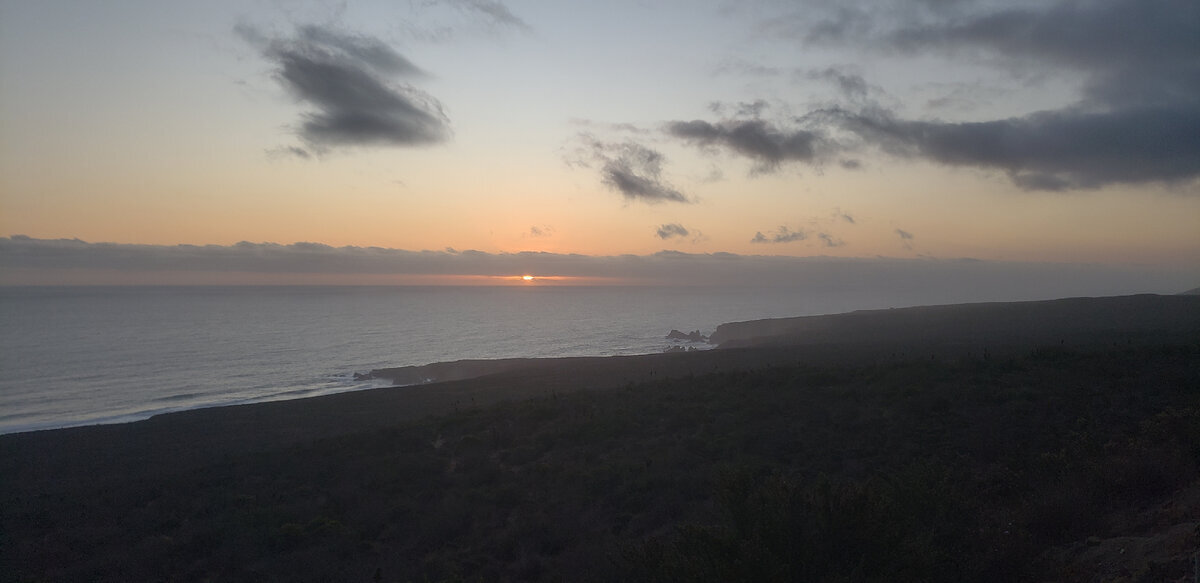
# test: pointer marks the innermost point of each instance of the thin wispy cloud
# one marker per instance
(351, 84)
(746, 68)
(619, 127)
(448, 20)
(906, 238)
(289, 152)
(960, 97)
(850, 85)
(492, 12)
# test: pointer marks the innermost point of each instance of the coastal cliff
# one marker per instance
(1067, 321)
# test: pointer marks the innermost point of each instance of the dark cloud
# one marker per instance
(782, 235)
(828, 240)
(369, 52)
(627, 167)
(347, 80)
(636, 175)
(1137, 119)
(909, 281)
(766, 144)
(543, 231)
(1106, 38)
(671, 230)
(845, 217)
(905, 238)
(1055, 150)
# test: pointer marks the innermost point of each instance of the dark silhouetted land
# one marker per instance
(1045, 441)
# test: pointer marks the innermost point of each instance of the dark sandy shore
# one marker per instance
(177, 443)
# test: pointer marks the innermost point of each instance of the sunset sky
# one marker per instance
(451, 138)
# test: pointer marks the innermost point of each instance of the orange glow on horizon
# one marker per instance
(527, 279)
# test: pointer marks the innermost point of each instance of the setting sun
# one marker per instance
(527, 277)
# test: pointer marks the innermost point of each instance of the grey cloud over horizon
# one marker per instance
(781, 235)
(914, 280)
(1136, 120)
(828, 240)
(671, 230)
(348, 81)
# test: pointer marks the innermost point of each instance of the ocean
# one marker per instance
(87, 355)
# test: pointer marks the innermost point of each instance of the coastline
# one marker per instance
(858, 337)
(139, 378)
(156, 478)
(853, 338)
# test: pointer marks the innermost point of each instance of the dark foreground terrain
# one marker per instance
(1060, 462)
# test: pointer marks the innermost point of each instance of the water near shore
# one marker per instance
(83, 355)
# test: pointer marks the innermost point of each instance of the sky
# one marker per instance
(476, 141)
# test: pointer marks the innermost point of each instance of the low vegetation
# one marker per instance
(1047, 467)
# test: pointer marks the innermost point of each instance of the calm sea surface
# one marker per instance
(84, 355)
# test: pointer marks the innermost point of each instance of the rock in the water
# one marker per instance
(693, 336)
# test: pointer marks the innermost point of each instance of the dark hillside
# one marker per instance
(1073, 321)
(1058, 465)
